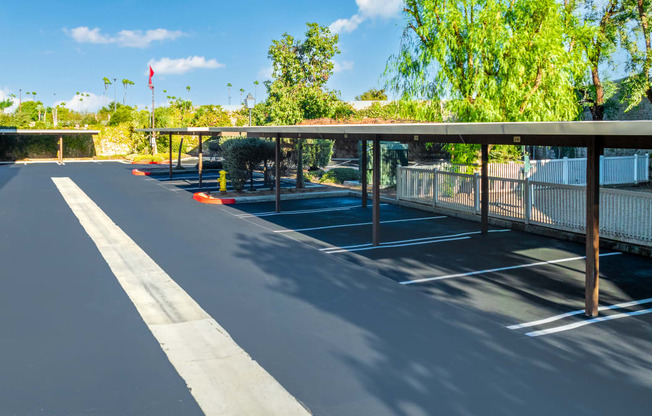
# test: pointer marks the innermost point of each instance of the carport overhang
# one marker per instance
(4, 132)
(594, 135)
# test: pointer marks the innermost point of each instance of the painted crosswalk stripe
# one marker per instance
(587, 322)
(579, 312)
(221, 376)
(500, 269)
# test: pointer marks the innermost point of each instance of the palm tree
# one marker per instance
(126, 83)
(107, 82)
(256, 83)
(229, 85)
(241, 92)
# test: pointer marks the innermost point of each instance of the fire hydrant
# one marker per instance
(223, 181)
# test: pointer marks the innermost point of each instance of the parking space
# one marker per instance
(528, 283)
(189, 181)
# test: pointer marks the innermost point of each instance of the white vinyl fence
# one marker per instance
(624, 215)
(613, 170)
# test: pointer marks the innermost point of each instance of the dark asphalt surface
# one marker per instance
(335, 330)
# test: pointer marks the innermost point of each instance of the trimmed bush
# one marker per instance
(340, 175)
(242, 157)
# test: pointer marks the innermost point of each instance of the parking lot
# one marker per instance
(423, 324)
(528, 283)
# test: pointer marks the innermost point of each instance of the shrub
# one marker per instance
(242, 156)
(340, 175)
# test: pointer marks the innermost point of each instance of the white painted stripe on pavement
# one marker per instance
(357, 224)
(579, 312)
(303, 211)
(393, 243)
(396, 245)
(221, 376)
(587, 322)
(520, 266)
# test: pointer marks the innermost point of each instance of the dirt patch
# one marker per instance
(641, 187)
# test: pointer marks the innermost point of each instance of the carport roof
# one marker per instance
(45, 132)
(615, 134)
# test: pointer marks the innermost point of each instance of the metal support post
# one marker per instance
(170, 145)
(376, 193)
(201, 159)
(363, 172)
(60, 150)
(484, 184)
(277, 173)
(592, 285)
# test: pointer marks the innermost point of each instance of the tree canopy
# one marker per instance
(495, 60)
(300, 71)
(372, 95)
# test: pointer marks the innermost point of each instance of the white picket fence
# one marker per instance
(624, 215)
(613, 170)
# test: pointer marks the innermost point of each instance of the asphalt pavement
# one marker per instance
(335, 325)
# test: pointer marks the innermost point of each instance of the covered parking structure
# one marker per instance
(594, 136)
(58, 134)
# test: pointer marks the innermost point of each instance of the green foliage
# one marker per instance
(635, 36)
(300, 72)
(317, 153)
(5, 104)
(496, 60)
(429, 110)
(372, 95)
(340, 175)
(242, 156)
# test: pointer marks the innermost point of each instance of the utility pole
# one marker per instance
(153, 124)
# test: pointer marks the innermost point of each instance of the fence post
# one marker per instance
(565, 171)
(399, 179)
(435, 188)
(646, 176)
(476, 192)
(527, 201)
(635, 167)
(601, 170)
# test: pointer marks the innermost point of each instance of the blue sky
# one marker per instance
(68, 46)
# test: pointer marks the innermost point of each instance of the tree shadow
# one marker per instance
(412, 355)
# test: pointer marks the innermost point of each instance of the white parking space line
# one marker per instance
(587, 322)
(298, 212)
(579, 312)
(431, 241)
(398, 243)
(357, 224)
(520, 266)
(221, 376)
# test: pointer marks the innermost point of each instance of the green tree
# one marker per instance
(126, 83)
(592, 28)
(5, 104)
(635, 36)
(372, 95)
(495, 60)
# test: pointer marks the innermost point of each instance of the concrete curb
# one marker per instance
(206, 198)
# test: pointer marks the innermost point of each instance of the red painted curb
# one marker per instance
(151, 163)
(140, 173)
(205, 198)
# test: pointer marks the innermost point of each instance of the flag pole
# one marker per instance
(153, 124)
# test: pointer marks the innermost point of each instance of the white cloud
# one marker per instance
(379, 8)
(126, 38)
(85, 101)
(182, 65)
(346, 25)
(367, 9)
(342, 66)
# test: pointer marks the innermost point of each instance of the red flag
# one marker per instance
(151, 74)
